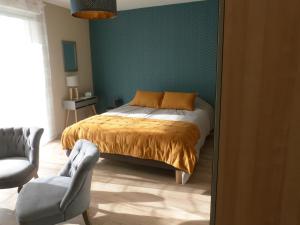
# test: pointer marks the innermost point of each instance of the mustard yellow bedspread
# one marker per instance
(172, 142)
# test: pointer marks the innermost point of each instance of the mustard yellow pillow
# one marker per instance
(147, 99)
(179, 100)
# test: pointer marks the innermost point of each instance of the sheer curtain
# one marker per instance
(25, 79)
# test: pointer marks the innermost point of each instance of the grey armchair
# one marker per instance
(19, 156)
(48, 201)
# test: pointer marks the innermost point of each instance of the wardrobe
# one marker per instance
(257, 165)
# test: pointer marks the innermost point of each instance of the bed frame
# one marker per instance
(144, 162)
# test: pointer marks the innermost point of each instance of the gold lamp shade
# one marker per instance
(94, 9)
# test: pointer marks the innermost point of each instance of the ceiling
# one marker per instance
(129, 4)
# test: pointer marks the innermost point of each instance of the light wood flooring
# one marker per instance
(127, 194)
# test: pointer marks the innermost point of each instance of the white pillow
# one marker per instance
(202, 104)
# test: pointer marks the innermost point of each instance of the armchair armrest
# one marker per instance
(33, 137)
(82, 159)
(79, 188)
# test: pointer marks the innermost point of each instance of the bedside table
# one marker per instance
(74, 105)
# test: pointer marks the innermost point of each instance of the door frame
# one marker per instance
(217, 113)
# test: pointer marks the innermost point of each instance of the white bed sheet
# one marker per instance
(202, 116)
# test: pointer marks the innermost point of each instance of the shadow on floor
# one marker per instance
(115, 172)
(104, 197)
(98, 216)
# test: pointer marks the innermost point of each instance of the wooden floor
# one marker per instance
(126, 194)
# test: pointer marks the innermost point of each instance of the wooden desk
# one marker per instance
(74, 105)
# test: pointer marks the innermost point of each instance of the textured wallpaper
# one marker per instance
(170, 48)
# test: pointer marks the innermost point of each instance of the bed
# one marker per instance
(200, 119)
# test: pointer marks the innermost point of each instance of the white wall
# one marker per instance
(62, 26)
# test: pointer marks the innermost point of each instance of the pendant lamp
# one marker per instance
(94, 9)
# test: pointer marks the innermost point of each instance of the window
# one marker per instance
(24, 94)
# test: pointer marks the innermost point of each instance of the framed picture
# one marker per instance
(70, 56)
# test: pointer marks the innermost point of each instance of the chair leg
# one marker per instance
(86, 217)
(20, 188)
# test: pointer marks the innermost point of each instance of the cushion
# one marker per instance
(13, 142)
(179, 100)
(39, 200)
(147, 99)
(15, 171)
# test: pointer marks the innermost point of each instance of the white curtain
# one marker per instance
(25, 79)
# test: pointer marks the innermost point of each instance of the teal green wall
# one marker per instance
(159, 48)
